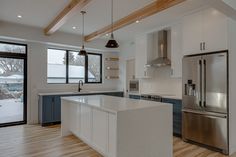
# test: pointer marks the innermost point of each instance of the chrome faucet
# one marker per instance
(80, 83)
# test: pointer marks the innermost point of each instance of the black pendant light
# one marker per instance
(83, 52)
(112, 42)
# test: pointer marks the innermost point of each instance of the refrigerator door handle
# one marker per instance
(200, 86)
(204, 84)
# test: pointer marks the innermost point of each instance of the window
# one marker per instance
(10, 48)
(76, 67)
(94, 68)
(66, 66)
(56, 66)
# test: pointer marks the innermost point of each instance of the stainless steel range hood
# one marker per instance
(161, 59)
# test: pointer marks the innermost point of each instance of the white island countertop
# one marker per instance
(82, 92)
(112, 104)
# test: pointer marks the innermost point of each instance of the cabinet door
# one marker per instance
(215, 30)
(192, 33)
(112, 135)
(176, 50)
(85, 123)
(100, 130)
(47, 111)
(141, 55)
(74, 118)
(57, 109)
(177, 115)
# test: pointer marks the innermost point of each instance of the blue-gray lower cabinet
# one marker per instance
(50, 107)
(134, 96)
(118, 94)
(177, 115)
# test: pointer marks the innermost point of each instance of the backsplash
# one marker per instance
(162, 83)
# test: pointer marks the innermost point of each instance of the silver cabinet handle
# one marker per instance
(204, 46)
(201, 46)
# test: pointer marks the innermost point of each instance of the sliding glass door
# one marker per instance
(13, 64)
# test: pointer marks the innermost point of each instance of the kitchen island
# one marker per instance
(119, 127)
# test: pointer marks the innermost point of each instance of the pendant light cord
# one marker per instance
(112, 17)
(83, 12)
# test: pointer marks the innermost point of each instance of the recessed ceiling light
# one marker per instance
(19, 16)
(107, 35)
(137, 21)
(74, 27)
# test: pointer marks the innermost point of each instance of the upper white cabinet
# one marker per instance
(143, 53)
(176, 50)
(204, 31)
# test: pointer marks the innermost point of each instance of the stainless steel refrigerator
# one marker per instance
(205, 100)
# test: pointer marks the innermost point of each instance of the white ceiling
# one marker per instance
(39, 13)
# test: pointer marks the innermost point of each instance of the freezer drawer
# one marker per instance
(204, 129)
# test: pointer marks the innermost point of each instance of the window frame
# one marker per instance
(86, 66)
(23, 56)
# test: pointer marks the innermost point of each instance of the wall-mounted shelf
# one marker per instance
(112, 77)
(112, 59)
(112, 68)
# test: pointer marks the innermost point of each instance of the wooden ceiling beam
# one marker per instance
(64, 15)
(151, 9)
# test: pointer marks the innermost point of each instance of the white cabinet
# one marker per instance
(176, 50)
(100, 130)
(74, 119)
(192, 33)
(85, 124)
(215, 26)
(143, 53)
(112, 135)
(204, 31)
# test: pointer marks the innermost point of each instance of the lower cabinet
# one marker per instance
(100, 130)
(112, 123)
(50, 107)
(177, 115)
(95, 127)
(85, 121)
(74, 119)
(118, 94)
(134, 96)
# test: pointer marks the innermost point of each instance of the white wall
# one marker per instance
(37, 61)
(161, 83)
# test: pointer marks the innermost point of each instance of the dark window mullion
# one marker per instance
(67, 66)
(86, 69)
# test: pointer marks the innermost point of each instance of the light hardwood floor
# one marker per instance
(37, 141)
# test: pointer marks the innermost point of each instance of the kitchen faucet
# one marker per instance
(82, 83)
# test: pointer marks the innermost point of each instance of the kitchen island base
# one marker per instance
(119, 129)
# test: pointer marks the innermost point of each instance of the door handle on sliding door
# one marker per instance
(200, 86)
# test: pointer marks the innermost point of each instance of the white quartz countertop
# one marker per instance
(112, 104)
(82, 92)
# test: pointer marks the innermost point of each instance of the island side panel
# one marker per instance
(65, 128)
(145, 132)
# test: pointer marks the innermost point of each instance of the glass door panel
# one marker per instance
(12, 90)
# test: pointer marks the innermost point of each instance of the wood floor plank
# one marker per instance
(37, 141)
